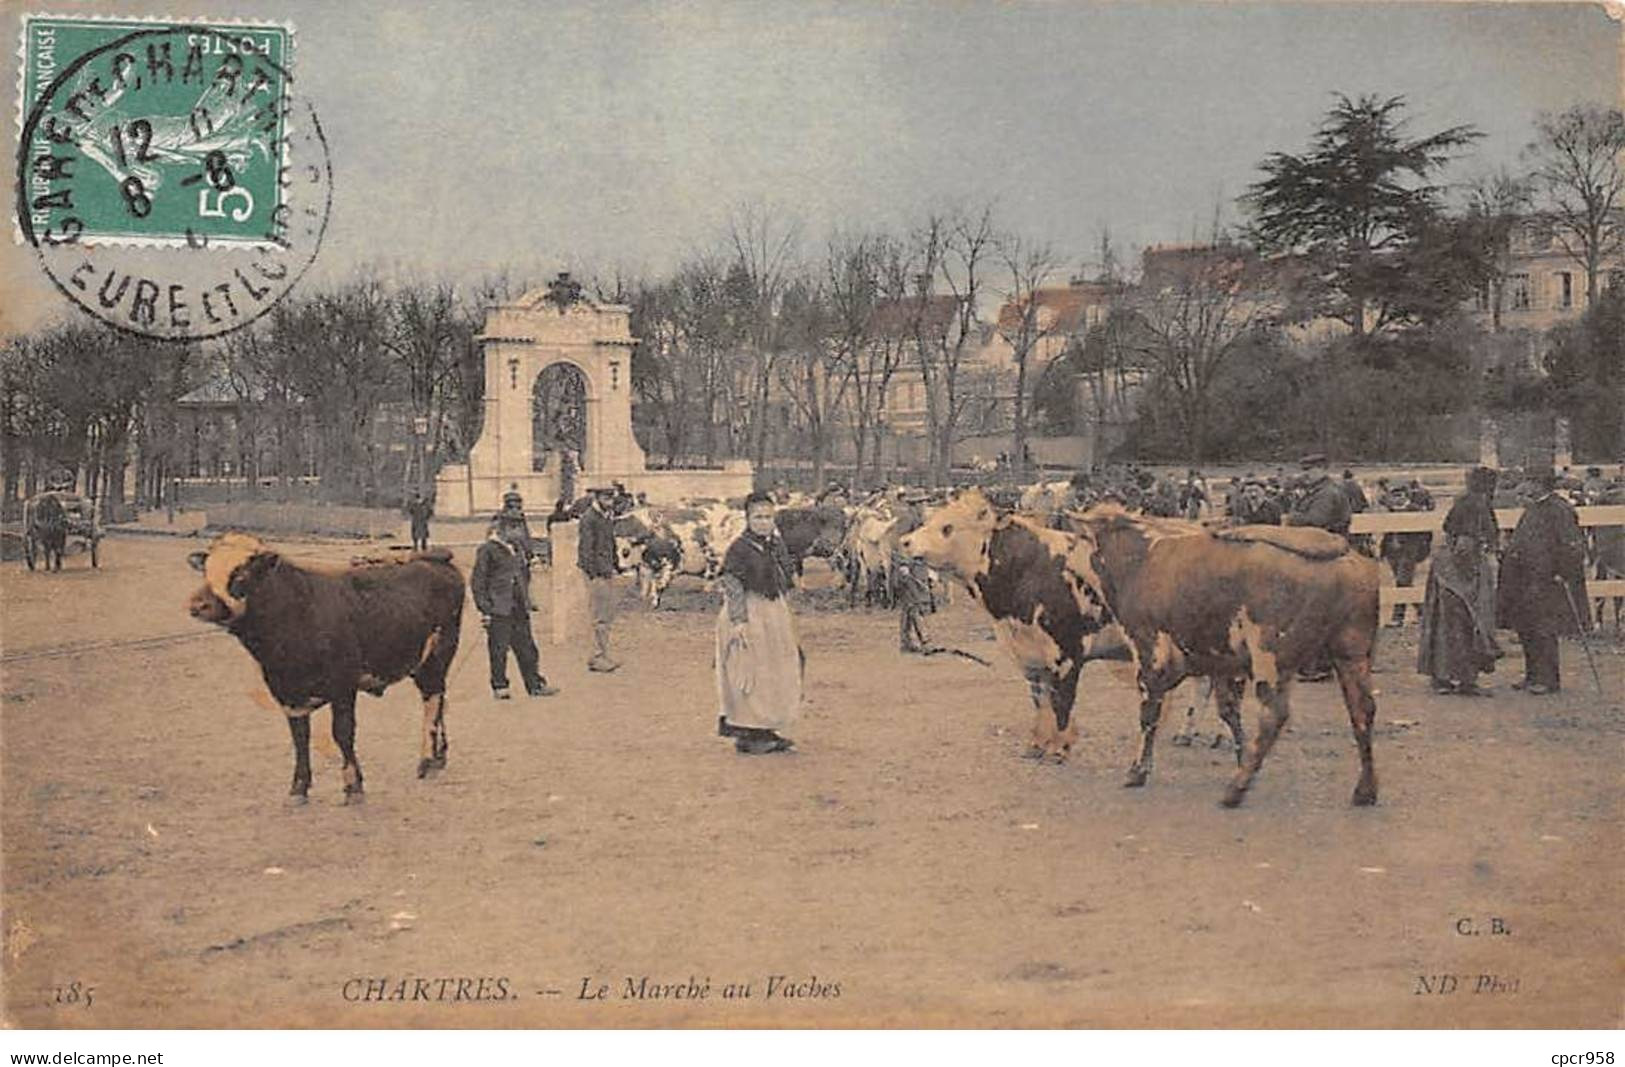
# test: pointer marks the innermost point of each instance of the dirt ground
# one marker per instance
(904, 866)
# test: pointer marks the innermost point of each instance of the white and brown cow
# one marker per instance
(1248, 605)
(320, 634)
(1044, 615)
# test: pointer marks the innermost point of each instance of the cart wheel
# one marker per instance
(28, 551)
(95, 552)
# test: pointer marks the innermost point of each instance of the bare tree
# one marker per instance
(954, 247)
(814, 374)
(1024, 323)
(764, 249)
(871, 329)
(1496, 204)
(1196, 309)
(428, 334)
(1577, 172)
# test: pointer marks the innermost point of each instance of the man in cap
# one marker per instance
(1541, 592)
(595, 555)
(419, 511)
(1323, 504)
(501, 588)
(912, 577)
(1255, 508)
(1404, 551)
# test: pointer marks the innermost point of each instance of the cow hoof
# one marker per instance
(1136, 777)
(424, 767)
(1232, 797)
(357, 797)
(297, 800)
(1183, 740)
(1364, 798)
(1033, 752)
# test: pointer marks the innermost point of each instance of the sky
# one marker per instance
(534, 136)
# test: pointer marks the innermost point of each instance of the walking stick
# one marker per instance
(1579, 623)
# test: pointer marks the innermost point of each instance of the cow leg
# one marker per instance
(1150, 715)
(1272, 718)
(1355, 677)
(1063, 694)
(1043, 736)
(1228, 693)
(344, 737)
(432, 751)
(299, 727)
(1199, 690)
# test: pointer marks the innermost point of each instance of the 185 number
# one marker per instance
(74, 993)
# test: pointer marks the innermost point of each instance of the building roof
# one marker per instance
(1062, 308)
(933, 313)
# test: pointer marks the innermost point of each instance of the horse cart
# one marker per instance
(54, 519)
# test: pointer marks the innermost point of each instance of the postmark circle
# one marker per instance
(169, 183)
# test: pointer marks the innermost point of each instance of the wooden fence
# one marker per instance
(1382, 522)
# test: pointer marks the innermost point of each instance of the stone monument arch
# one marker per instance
(558, 411)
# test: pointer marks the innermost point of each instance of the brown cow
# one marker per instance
(321, 634)
(1252, 603)
(1049, 622)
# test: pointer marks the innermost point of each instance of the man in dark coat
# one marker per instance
(1541, 593)
(501, 588)
(1322, 504)
(1405, 551)
(1255, 508)
(595, 555)
(419, 511)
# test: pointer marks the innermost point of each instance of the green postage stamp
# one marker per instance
(152, 133)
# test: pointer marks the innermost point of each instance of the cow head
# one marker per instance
(955, 536)
(231, 567)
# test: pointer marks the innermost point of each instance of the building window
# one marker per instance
(1518, 286)
(1565, 283)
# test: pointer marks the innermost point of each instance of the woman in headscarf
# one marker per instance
(1458, 614)
(759, 657)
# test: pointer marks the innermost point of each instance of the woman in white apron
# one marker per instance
(759, 658)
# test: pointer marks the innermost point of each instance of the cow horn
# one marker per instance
(197, 560)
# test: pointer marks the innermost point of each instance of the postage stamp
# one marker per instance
(148, 148)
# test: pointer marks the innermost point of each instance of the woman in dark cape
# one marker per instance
(1458, 614)
(759, 658)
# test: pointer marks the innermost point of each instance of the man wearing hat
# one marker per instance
(1255, 508)
(913, 578)
(501, 588)
(595, 555)
(419, 511)
(1541, 592)
(1323, 502)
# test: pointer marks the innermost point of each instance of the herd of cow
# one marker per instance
(859, 540)
(1242, 607)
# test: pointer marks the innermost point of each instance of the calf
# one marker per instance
(321, 634)
(1248, 605)
(1045, 617)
